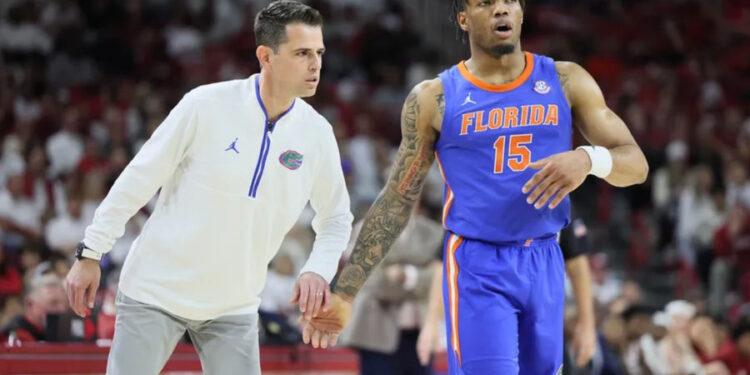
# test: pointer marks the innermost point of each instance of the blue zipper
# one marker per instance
(265, 145)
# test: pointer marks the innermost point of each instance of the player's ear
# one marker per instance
(461, 19)
(263, 53)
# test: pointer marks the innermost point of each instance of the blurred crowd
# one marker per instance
(83, 83)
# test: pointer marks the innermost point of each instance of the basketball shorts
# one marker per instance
(504, 306)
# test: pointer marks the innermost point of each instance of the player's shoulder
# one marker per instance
(568, 67)
(575, 80)
(429, 88)
(430, 96)
(573, 72)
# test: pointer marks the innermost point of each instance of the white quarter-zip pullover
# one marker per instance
(232, 185)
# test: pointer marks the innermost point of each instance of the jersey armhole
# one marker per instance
(448, 100)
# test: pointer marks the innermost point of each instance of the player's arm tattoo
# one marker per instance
(441, 104)
(391, 210)
(563, 78)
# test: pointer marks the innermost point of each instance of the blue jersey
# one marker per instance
(490, 133)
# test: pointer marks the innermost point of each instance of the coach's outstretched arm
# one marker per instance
(391, 210)
(613, 154)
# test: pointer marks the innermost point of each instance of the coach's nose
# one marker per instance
(316, 63)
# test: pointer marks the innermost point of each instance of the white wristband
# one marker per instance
(601, 160)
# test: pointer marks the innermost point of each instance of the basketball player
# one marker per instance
(236, 162)
(500, 126)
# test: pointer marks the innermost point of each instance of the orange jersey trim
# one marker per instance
(449, 197)
(499, 88)
(451, 272)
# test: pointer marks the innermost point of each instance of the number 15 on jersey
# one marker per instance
(518, 155)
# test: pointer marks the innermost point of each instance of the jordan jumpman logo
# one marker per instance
(468, 100)
(233, 146)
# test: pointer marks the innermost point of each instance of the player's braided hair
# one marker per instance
(458, 6)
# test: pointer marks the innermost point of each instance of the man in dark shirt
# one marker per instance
(45, 296)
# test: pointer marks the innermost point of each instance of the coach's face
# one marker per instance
(494, 26)
(298, 60)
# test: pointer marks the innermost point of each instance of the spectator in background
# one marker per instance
(706, 342)
(362, 151)
(278, 317)
(639, 329)
(611, 344)
(737, 184)
(580, 340)
(11, 281)
(675, 349)
(65, 231)
(389, 311)
(731, 249)
(30, 258)
(21, 35)
(666, 185)
(37, 186)
(20, 215)
(45, 296)
(65, 147)
(738, 357)
(701, 212)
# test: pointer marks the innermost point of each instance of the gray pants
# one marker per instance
(145, 337)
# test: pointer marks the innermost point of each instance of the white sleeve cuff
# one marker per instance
(325, 270)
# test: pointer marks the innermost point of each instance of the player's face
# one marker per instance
(493, 25)
(298, 61)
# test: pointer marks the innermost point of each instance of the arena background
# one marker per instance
(84, 82)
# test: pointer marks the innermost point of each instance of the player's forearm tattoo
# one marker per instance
(389, 214)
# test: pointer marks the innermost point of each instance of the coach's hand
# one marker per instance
(559, 175)
(81, 284)
(312, 293)
(326, 327)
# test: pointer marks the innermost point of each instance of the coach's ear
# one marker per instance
(263, 53)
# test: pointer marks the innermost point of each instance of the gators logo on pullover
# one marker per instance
(291, 159)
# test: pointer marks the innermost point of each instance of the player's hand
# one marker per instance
(559, 175)
(324, 329)
(426, 342)
(81, 285)
(312, 293)
(584, 342)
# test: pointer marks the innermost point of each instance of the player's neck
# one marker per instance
(497, 70)
(275, 99)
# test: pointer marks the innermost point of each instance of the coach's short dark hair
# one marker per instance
(271, 21)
